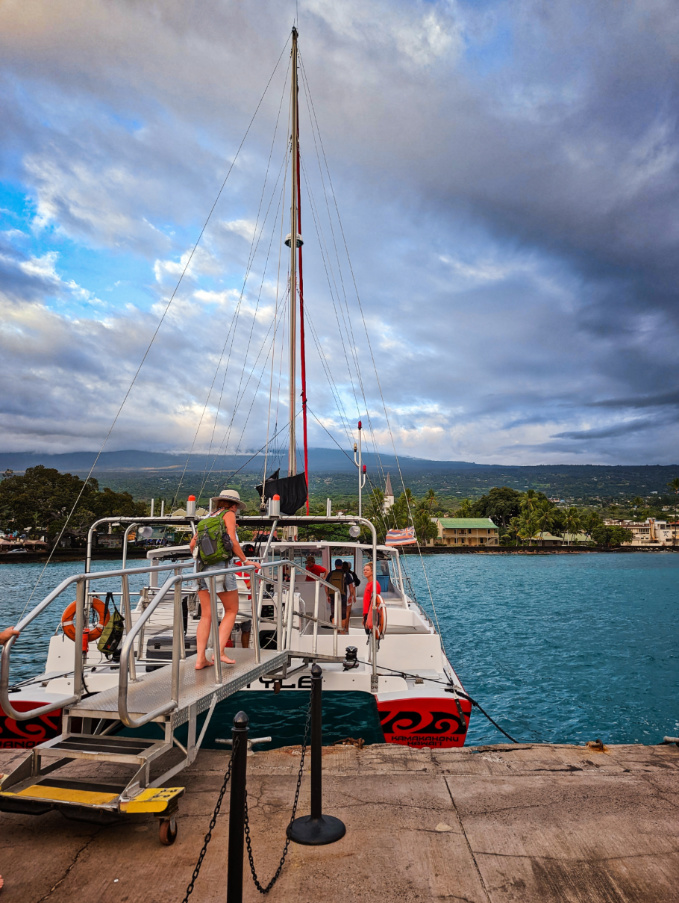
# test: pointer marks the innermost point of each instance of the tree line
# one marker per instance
(38, 503)
(521, 517)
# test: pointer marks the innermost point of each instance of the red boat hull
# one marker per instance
(425, 721)
(27, 734)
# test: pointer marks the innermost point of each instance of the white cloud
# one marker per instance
(509, 203)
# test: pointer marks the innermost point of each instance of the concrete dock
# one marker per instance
(489, 824)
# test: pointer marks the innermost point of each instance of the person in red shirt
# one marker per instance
(317, 569)
(368, 591)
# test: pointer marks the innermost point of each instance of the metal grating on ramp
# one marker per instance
(196, 688)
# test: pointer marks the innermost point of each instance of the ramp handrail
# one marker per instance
(174, 583)
(178, 650)
(80, 581)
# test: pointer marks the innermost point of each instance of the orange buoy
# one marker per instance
(68, 620)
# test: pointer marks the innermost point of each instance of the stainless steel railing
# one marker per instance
(81, 582)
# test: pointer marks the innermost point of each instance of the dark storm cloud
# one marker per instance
(508, 179)
(621, 429)
(649, 401)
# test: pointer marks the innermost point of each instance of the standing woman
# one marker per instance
(368, 592)
(228, 501)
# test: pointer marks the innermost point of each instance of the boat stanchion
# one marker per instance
(234, 878)
(316, 829)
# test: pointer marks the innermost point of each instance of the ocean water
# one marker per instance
(562, 648)
(556, 648)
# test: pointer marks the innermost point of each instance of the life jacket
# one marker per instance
(212, 540)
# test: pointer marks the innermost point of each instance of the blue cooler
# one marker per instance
(383, 580)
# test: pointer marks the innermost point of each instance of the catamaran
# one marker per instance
(144, 707)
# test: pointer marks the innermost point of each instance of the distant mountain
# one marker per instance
(332, 472)
(321, 460)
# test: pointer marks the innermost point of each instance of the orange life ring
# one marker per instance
(380, 626)
(68, 619)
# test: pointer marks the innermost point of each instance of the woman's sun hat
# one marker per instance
(227, 495)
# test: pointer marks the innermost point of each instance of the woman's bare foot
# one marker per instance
(228, 661)
(205, 663)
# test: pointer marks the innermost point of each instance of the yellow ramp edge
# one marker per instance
(65, 795)
(153, 799)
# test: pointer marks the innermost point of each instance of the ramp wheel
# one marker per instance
(168, 831)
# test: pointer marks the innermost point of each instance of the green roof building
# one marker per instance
(467, 531)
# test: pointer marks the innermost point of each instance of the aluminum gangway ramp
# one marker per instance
(96, 771)
(198, 690)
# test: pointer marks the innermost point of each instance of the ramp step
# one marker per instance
(93, 744)
(124, 750)
(73, 796)
(65, 794)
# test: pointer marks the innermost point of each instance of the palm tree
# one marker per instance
(573, 522)
(545, 518)
(464, 509)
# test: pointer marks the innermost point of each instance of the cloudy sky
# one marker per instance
(503, 175)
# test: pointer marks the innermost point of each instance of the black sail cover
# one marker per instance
(292, 490)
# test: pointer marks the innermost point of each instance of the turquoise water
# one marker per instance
(562, 648)
(557, 648)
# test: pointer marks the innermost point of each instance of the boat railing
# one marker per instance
(131, 523)
(259, 575)
(289, 569)
(82, 596)
(174, 584)
(271, 572)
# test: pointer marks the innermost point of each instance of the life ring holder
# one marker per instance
(68, 619)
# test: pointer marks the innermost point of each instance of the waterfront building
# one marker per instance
(650, 533)
(467, 531)
(568, 539)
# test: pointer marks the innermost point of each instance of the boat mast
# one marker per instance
(294, 238)
(302, 348)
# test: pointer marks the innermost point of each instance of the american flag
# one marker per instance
(401, 537)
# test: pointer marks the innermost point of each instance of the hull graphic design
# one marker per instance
(420, 722)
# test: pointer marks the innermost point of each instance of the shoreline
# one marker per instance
(115, 554)
(69, 555)
(532, 550)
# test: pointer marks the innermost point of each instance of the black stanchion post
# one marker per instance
(316, 829)
(234, 877)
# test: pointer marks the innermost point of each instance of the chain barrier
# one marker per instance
(248, 840)
(213, 822)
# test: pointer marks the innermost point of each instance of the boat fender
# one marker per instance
(68, 620)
